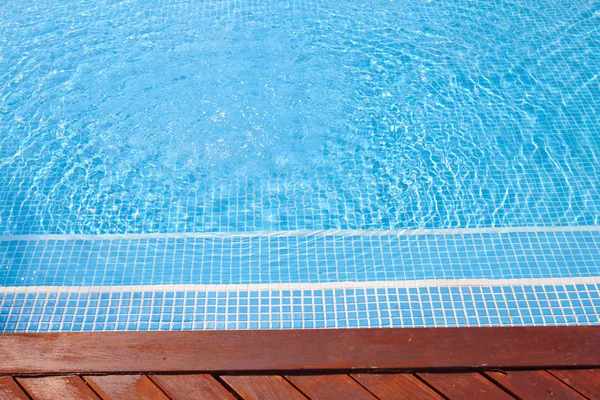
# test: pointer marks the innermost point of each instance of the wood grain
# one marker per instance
(192, 387)
(285, 350)
(534, 385)
(263, 387)
(472, 386)
(57, 387)
(117, 387)
(524, 384)
(585, 381)
(9, 390)
(326, 387)
(396, 386)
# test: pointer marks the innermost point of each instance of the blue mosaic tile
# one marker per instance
(298, 258)
(285, 309)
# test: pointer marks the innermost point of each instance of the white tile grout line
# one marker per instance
(304, 232)
(304, 286)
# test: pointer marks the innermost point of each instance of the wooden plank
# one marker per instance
(534, 385)
(396, 386)
(264, 387)
(473, 386)
(325, 387)
(269, 350)
(117, 387)
(9, 390)
(585, 381)
(57, 387)
(192, 387)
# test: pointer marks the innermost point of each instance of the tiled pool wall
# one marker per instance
(318, 279)
(397, 305)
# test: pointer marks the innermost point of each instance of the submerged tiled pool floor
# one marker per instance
(318, 279)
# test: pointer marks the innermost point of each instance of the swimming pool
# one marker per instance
(256, 164)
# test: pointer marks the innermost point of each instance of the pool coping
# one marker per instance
(409, 349)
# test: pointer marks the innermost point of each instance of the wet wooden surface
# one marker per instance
(10, 390)
(263, 387)
(397, 386)
(587, 381)
(202, 351)
(465, 385)
(514, 384)
(534, 385)
(57, 387)
(329, 386)
(116, 387)
(412, 364)
(192, 387)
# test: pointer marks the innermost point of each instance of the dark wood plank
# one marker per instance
(268, 350)
(263, 387)
(326, 387)
(117, 387)
(9, 390)
(472, 386)
(585, 381)
(396, 386)
(57, 387)
(534, 385)
(192, 387)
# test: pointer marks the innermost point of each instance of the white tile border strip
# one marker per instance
(305, 232)
(305, 286)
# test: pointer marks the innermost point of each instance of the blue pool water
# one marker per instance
(187, 116)
(196, 164)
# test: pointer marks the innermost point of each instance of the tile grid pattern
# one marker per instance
(89, 310)
(316, 258)
(334, 281)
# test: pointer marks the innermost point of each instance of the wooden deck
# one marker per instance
(454, 363)
(519, 384)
